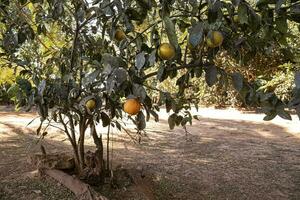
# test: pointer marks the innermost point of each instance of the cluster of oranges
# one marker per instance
(166, 51)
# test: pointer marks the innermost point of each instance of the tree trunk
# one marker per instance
(78, 166)
(81, 143)
(72, 139)
(107, 149)
(99, 163)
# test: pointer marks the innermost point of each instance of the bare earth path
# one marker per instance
(226, 155)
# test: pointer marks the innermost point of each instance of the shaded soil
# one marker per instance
(225, 155)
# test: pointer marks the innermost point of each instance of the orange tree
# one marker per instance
(105, 51)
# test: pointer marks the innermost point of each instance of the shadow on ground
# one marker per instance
(216, 159)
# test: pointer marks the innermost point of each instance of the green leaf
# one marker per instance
(196, 34)
(139, 91)
(25, 85)
(161, 74)
(113, 61)
(196, 117)
(281, 25)
(279, 3)
(58, 10)
(270, 116)
(295, 13)
(184, 121)
(297, 79)
(172, 121)
(265, 2)
(105, 119)
(91, 77)
(171, 32)
(120, 75)
(21, 37)
(13, 90)
(141, 121)
(213, 11)
(168, 104)
(178, 120)
(237, 80)
(243, 13)
(118, 125)
(30, 33)
(140, 60)
(152, 58)
(284, 114)
(211, 75)
(155, 115)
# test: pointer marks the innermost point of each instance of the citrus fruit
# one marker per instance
(166, 51)
(120, 35)
(132, 106)
(91, 104)
(214, 39)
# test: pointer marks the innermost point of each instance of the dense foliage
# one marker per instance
(71, 52)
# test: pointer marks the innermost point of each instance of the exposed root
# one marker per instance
(81, 190)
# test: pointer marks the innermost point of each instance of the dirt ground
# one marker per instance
(227, 154)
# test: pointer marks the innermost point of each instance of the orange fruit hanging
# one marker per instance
(166, 51)
(120, 35)
(132, 106)
(90, 104)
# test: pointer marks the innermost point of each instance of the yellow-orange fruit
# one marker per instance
(214, 39)
(166, 51)
(91, 104)
(132, 106)
(120, 35)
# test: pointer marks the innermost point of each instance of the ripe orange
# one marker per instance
(166, 51)
(214, 39)
(132, 106)
(120, 35)
(91, 104)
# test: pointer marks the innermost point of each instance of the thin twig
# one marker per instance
(77, 29)
(66, 129)
(107, 148)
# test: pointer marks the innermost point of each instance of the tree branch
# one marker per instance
(66, 129)
(93, 16)
(141, 33)
(72, 127)
(188, 66)
(77, 30)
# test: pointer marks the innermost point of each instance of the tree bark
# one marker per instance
(81, 142)
(107, 148)
(78, 166)
(99, 164)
